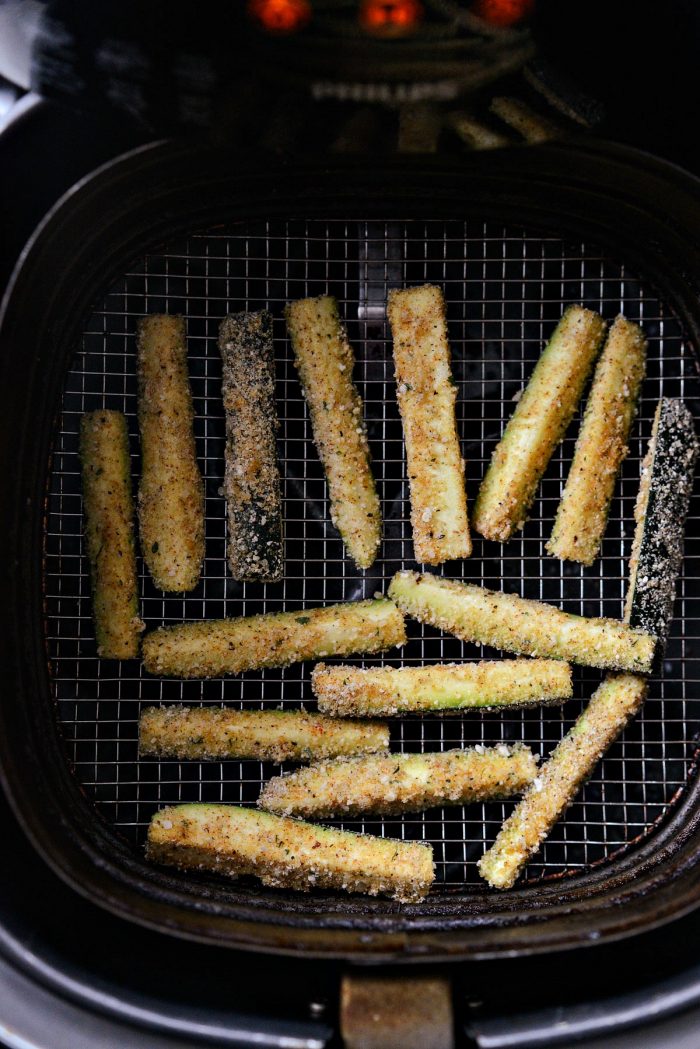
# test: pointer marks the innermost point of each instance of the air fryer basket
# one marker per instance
(511, 239)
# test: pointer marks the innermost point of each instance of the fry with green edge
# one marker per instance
(538, 424)
(109, 533)
(601, 446)
(211, 648)
(387, 784)
(325, 362)
(286, 853)
(568, 767)
(347, 691)
(516, 624)
(204, 733)
(171, 493)
(426, 394)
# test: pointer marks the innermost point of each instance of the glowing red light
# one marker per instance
(390, 17)
(503, 12)
(280, 16)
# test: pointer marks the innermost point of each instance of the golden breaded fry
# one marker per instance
(251, 477)
(171, 493)
(346, 691)
(601, 446)
(426, 394)
(287, 853)
(325, 361)
(269, 735)
(385, 784)
(228, 646)
(537, 425)
(569, 765)
(109, 532)
(516, 624)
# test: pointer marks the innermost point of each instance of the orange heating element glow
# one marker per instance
(390, 17)
(503, 12)
(280, 16)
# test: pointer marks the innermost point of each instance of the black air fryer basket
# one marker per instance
(511, 238)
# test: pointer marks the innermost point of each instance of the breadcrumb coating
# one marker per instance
(426, 394)
(286, 853)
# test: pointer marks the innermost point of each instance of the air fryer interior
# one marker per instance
(505, 289)
(511, 238)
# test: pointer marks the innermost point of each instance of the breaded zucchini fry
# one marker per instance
(662, 507)
(211, 648)
(251, 476)
(171, 493)
(601, 446)
(538, 424)
(268, 735)
(325, 361)
(391, 783)
(109, 533)
(426, 395)
(516, 624)
(287, 853)
(346, 691)
(570, 764)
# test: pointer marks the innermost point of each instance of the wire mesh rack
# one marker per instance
(505, 291)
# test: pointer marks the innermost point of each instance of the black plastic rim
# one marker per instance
(607, 193)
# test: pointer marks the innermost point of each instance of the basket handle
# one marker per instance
(385, 1012)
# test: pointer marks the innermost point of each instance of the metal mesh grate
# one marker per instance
(505, 291)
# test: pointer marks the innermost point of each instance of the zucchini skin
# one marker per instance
(570, 764)
(171, 493)
(662, 507)
(211, 648)
(348, 691)
(537, 425)
(325, 361)
(387, 784)
(516, 624)
(285, 853)
(601, 446)
(109, 533)
(251, 474)
(203, 733)
(426, 395)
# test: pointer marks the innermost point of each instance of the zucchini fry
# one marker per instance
(211, 648)
(392, 783)
(570, 764)
(662, 507)
(346, 691)
(109, 532)
(601, 446)
(251, 475)
(516, 624)
(426, 394)
(204, 733)
(324, 360)
(171, 493)
(537, 425)
(287, 853)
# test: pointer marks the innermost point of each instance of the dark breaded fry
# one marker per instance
(325, 361)
(537, 425)
(601, 446)
(109, 533)
(426, 395)
(171, 493)
(268, 735)
(392, 783)
(228, 646)
(287, 853)
(569, 765)
(346, 691)
(516, 624)
(251, 477)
